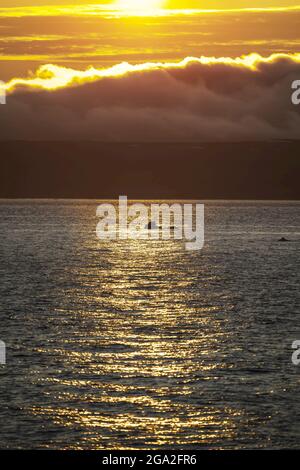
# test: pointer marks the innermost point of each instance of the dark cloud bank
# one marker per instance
(212, 102)
(243, 119)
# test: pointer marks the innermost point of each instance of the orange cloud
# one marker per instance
(112, 10)
(53, 77)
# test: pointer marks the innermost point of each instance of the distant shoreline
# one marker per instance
(98, 170)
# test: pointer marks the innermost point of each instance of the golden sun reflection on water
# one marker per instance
(205, 427)
(132, 345)
(139, 350)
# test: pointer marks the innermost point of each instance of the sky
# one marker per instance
(85, 35)
(103, 71)
(171, 3)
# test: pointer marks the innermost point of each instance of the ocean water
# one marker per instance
(142, 344)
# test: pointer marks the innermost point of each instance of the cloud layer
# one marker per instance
(203, 99)
(77, 39)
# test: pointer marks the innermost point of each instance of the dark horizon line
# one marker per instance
(217, 199)
(143, 142)
(192, 171)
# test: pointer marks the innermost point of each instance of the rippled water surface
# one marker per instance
(142, 344)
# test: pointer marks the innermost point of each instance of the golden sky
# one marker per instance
(34, 33)
(172, 3)
(183, 73)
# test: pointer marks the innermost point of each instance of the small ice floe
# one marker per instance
(152, 225)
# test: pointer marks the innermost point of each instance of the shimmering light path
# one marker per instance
(127, 345)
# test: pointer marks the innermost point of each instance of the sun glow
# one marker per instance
(139, 6)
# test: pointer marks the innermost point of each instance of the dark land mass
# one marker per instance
(263, 170)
